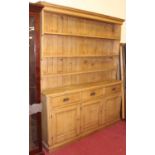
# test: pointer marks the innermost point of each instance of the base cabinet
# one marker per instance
(67, 117)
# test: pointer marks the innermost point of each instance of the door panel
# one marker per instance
(113, 108)
(65, 124)
(90, 116)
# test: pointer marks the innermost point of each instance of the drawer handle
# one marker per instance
(66, 99)
(113, 89)
(92, 94)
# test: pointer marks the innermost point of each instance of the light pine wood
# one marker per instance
(83, 35)
(113, 89)
(89, 107)
(64, 99)
(122, 78)
(76, 65)
(64, 124)
(89, 116)
(79, 13)
(113, 107)
(69, 80)
(102, 113)
(76, 46)
(73, 26)
(44, 120)
(92, 93)
(79, 70)
(70, 60)
(75, 73)
(77, 88)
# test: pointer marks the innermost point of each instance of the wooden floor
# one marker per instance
(109, 141)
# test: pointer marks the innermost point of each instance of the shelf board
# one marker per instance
(75, 73)
(79, 35)
(78, 56)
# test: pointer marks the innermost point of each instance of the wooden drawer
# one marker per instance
(90, 94)
(113, 89)
(64, 99)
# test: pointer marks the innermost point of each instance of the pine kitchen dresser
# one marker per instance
(81, 91)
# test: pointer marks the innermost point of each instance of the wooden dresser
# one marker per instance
(80, 86)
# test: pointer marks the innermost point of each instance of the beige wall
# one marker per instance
(114, 8)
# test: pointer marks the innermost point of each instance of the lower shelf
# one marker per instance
(82, 72)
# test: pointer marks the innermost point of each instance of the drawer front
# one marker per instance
(90, 94)
(64, 99)
(113, 89)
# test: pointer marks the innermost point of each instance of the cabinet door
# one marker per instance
(113, 109)
(65, 124)
(90, 116)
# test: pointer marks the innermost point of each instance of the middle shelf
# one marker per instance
(62, 46)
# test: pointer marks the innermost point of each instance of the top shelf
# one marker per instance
(79, 35)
